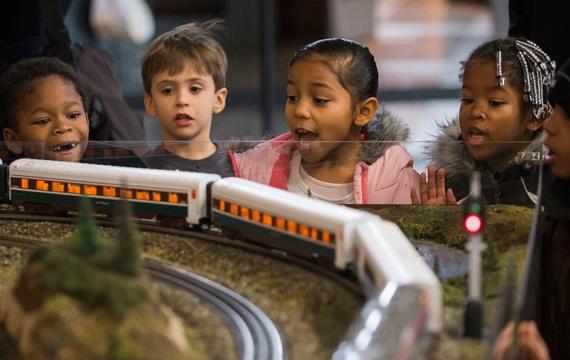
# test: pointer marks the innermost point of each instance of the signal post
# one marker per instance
(473, 222)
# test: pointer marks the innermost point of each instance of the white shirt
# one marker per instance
(300, 182)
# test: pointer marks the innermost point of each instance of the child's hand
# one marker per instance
(531, 344)
(432, 189)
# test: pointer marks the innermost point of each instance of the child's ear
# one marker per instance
(149, 105)
(534, 124)
(13, 141)
(220, 102)
(365, 111)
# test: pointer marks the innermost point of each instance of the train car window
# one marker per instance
(90, 190)
(256, 215)
(193, 193)
(109, 191)
(291, 226)
(244, 212)
(172, 198)
(267, 219)
(15, 182)
(127, 194)
(142, 195)
(234, 209)
(183, 198)
(156, 196)
(314, 234)
(280, 223)
(25, 184)
(57, 186)
(222, 205)
(304, 230)
(42, 185)
(326, 237)
(73, 188)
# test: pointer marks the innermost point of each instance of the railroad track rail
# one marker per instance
(256, 335)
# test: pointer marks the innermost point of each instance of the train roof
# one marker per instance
(107, 174)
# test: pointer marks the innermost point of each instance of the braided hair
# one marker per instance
(524, 65)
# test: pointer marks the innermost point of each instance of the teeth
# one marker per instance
(64, 147)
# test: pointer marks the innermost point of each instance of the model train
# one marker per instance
(273, 217)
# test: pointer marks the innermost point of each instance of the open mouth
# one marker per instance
(183, 117)
(64, 147)
(304, 135)
(475, 136)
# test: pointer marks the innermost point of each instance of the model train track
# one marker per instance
(332, 274)
(256, 335)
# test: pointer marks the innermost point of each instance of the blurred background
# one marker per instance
(418, 46)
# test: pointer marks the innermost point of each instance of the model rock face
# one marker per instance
(89, 300)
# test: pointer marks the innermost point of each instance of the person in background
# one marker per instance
(498, 132)
(184, 76)
(544, 22)
(44, 114)
(550, 339)
(338, 148)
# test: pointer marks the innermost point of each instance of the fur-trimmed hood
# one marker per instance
(383, 131)
(450, 152)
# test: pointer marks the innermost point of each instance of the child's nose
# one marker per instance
(301, 110)
(548, 125)
(477, 110)
(182, 98)
(62, 129)
(61, 125)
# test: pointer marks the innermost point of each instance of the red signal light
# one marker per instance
(473, 223)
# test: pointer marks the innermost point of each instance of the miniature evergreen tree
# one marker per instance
(86, 241)
(127, 259)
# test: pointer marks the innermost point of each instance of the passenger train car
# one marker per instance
(273, 217)
(53, 186)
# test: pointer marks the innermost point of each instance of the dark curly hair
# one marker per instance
(18, 79)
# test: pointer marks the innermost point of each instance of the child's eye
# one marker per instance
(41, 121)
(167, 91)
(466, 101)
(496, 102)
(320, 101)
(195, 89)
(291, 98)
(74, 115)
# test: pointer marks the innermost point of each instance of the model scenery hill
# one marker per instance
(90, 300)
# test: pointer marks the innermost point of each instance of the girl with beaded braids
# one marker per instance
(498, 132)
(338, 148)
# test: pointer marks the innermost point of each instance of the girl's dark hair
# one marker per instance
(523, 65)
(350, 61)
(16, 81)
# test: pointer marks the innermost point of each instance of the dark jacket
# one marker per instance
(515, 184)
(543, 21)
(554, 287)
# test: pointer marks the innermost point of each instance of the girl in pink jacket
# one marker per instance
(338, 148)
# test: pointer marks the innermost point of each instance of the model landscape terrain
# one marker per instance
(314, 313)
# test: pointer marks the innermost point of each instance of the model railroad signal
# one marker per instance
(474, 219)
(473, 222)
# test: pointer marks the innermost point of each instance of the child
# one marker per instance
(337, 148)
(44, 116)
(554, 289)
(184, 75)
(43, 110)
(503, 106)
